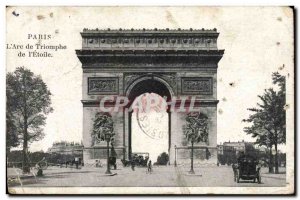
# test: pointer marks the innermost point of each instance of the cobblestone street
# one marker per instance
(167, 176)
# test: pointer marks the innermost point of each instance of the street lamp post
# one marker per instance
(192, 158)
(175, 155)
(107, 138)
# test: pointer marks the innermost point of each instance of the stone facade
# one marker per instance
(63, 147)
(174, 63)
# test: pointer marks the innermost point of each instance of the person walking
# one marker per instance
(76, 162)
(149, 166)
(235, 169)
(132, 165)
(113, 156)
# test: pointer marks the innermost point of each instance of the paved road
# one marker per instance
(168, 176)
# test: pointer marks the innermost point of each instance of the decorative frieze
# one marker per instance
(103, 85)
(164, 38)
(197, 85)
(199, 43)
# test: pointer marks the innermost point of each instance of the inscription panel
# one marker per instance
(103, 85)
(197, 85)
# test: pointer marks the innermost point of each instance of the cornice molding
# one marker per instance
(144, 30)
(157, 51)
(153, 56)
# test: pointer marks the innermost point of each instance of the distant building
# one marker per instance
(228, 152)
(69, 148)
(238, 147)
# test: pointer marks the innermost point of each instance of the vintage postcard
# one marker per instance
(150, 100)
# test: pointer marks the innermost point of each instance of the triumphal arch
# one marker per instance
(177, 64)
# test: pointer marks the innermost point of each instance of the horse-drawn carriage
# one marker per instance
(247, 168)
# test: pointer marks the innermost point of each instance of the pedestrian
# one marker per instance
(39, 169)
(149, 166)
(113, 156)
(235, 169)
(76, 162)
(132, 165)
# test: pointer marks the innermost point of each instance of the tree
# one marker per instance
(263, 137)
(196, 131)
(28, 103)
(162, 159)
(268, 124)
(12, 139)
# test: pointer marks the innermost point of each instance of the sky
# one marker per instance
(257, 42)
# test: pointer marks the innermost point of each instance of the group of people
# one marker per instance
(140, 160)
(149, 166)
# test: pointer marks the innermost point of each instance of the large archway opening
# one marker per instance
(149, 125)
(149, 128)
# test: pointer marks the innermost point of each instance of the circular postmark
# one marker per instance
(150, 119)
